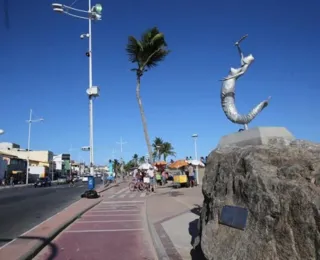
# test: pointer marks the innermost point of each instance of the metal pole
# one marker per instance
(52, 170)
(121, 148)
(196, 155)
(29, 139)
(90, 97)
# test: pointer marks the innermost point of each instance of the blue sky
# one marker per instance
(43, 66)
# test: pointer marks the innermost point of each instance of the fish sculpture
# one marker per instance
(228, 91)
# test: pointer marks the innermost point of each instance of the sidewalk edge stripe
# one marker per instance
(157, 244)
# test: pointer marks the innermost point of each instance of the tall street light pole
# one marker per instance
(30, 121)
(195, 136)
(121, 143)
(94, 13)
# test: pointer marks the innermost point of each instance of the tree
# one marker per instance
(142, 159)
(130, 165)
(157, 144)
(116, 166)
(166, 150)
(146, 53)
(135, 158)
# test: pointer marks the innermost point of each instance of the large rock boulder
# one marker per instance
(279, 184)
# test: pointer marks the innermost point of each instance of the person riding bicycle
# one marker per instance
(71, 181)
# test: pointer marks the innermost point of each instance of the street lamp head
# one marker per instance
(97, 9)
(41, 119)
(58, 10)
(194, 135)
(1, 131)
(56, 5)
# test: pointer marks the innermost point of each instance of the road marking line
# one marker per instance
(116, 215)
(143, 195)
(120, 191)
(132, 195)
(107, 221)
(112, 196)
(113, 210)
(128, 201)
(122, 196)
(80, 186)
(103, 230)
(118, 208)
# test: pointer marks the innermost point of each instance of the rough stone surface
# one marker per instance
(279, 183)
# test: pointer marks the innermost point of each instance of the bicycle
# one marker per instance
(136, 185)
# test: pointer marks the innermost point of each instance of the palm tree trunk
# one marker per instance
(144, 121)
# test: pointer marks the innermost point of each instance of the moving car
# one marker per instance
(85, 179)
(43, 182)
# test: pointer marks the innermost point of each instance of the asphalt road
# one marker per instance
(25, 207)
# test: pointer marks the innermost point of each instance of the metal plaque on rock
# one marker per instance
(234, 216)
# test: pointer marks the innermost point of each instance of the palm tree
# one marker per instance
(166, 150)
(135, 158)
(157, 144)
(147, 53)
(142, 159)
(116, 166)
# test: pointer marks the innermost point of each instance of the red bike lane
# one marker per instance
(115, 229)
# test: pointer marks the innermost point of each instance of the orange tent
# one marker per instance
(178, 164)
(161, 163)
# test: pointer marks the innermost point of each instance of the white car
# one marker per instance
(85, 179)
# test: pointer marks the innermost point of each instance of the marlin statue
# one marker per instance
(228, 92)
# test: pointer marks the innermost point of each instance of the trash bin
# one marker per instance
(91, 183)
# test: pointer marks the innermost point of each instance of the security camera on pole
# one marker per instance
(94, 13)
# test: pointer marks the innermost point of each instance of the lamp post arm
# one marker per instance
(75, 9)
(76, 16)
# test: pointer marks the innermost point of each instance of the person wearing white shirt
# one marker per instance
(150, 173)
(135, 173)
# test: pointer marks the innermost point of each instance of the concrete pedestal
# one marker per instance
(255, 136)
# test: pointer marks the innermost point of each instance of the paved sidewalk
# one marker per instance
(115, 229)
(173, 217)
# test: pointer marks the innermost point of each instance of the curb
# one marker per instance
(39, 245)
(36, 249)
(157, 244)
(55, 233)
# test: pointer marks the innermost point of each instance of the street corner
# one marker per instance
(177, 234)
(174, 223)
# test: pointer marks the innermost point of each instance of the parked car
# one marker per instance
(62, 180)
(43, 182)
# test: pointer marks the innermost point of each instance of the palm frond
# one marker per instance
(134, 49)
(149, 51)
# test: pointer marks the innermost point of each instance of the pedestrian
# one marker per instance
(151, 174)
(11, 181)
(191, 175)
(164, 177)
(158, 178)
